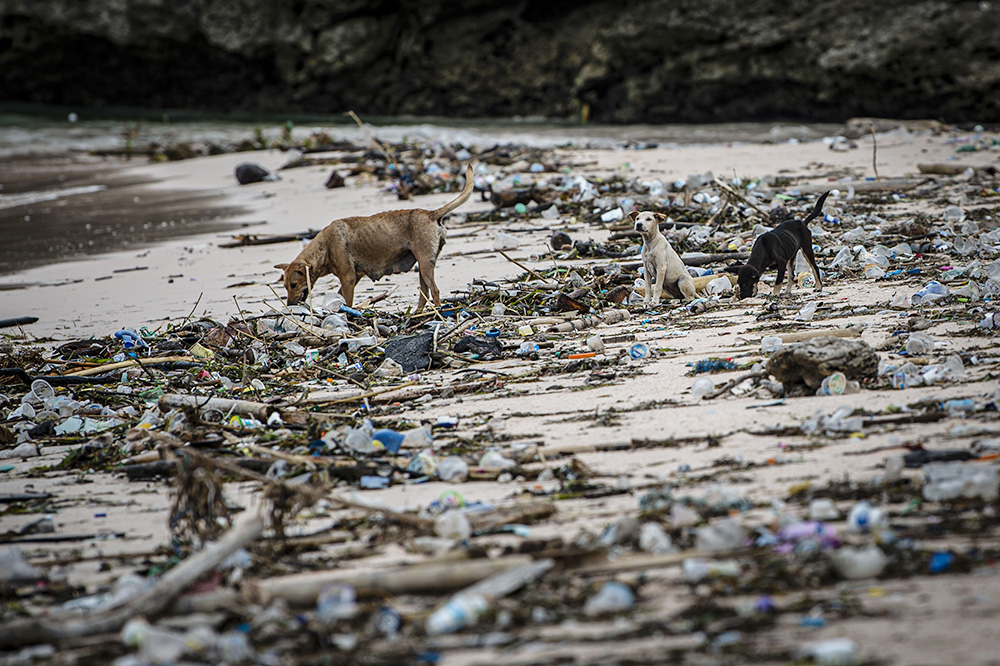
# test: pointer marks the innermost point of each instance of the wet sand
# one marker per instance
(64, 208)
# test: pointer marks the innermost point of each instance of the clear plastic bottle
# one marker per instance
(613, 597)
(696, 569)
(453, 469)
(701, 387)
(336, 602)
(770, 343)
(453, 524)
(932, 291)
(807, 312)
(462, 610)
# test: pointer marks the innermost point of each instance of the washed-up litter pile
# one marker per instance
(296, 442)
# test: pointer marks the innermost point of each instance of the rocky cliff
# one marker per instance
(627, 61)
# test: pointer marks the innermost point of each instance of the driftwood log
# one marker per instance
(808, 363)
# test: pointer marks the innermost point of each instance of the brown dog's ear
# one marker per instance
(634, 214)
(281, 267)
(660, 217)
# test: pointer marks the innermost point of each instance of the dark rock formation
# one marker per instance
(629, 61)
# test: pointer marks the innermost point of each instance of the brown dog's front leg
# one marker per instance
(347, 283)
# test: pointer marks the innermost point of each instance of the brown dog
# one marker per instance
(387, 242)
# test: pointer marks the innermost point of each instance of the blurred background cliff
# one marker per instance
(632, 61)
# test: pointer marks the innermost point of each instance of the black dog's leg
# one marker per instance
(779, 278)
(807, 252)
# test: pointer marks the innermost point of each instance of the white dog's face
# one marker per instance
(646, 221)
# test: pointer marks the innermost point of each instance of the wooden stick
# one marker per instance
(819, 333)
(151, 604)
(522, 266)
(133, 362)
(301, 590)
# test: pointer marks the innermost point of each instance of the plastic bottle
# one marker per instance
(613, 597)
(496, 460)
(417, 438)
(919, 343)
(823, 508)
(951, 480)
(832, 652)
(807, 312)
(701, 387)
(335, 323)
(235, 647)
(336, 602)
(932, 291)
(360, 440)
(696, 569)
(719, 285)
(453, 469)
(864, 518)
(653, 539)
(360, 341)
(504, 241)
(857, 563)
(462, 610)
(722, 536)
(770, 344)
(452, 524)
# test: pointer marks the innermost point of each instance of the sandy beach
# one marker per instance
(632, 423)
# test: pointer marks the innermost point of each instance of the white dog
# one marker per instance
(662, 267)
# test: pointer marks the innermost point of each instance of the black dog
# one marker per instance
(777, 248)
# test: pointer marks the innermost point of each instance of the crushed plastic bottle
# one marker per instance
(718, 285)
(653, 539)
(613, 597)
(504, 241)
(453, 524)
(931, 292)
(453, 469)
(945, 481)
(807, 312)
(336, 602)
(725, 535)
(832, 652)
(823, 508)
(919, 343)
(770, 344)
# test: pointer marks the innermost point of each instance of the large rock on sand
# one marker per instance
(808, 363)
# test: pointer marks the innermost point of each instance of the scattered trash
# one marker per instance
(409, 478)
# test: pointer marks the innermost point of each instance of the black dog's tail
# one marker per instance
(818, 208)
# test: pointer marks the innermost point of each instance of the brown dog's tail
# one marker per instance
(470, 183)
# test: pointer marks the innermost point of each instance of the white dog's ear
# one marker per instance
(660, 217)
(281, 267)
(634, 214)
